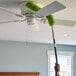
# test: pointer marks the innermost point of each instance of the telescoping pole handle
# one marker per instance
(57, 67)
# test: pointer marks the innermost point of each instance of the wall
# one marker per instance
(22, 57)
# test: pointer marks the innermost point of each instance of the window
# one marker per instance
(65, 60)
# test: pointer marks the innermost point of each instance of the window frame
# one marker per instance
(71, 54)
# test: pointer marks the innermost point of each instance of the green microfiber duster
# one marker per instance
(32, 6)
(51, 20)
(35, 8)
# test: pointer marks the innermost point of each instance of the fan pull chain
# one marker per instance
(27, 35)
(57, 67)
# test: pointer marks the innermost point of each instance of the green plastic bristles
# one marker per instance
(35, 8)
(32, 6)
(51, 20)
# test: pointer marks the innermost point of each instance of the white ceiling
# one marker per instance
(19, 32)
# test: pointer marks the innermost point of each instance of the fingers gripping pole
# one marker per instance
(57, 67)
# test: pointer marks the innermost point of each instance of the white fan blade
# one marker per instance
(50, 9)
(6, 10)
(65, 22)
(12, 21)
(9, 21)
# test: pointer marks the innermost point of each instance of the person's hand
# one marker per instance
(57, 67)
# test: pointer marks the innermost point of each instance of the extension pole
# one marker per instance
(55, 50)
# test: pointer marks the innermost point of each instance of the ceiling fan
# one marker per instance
(30, 12)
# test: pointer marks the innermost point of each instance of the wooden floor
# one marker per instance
(19, 73)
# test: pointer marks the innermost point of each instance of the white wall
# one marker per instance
(19, 57)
